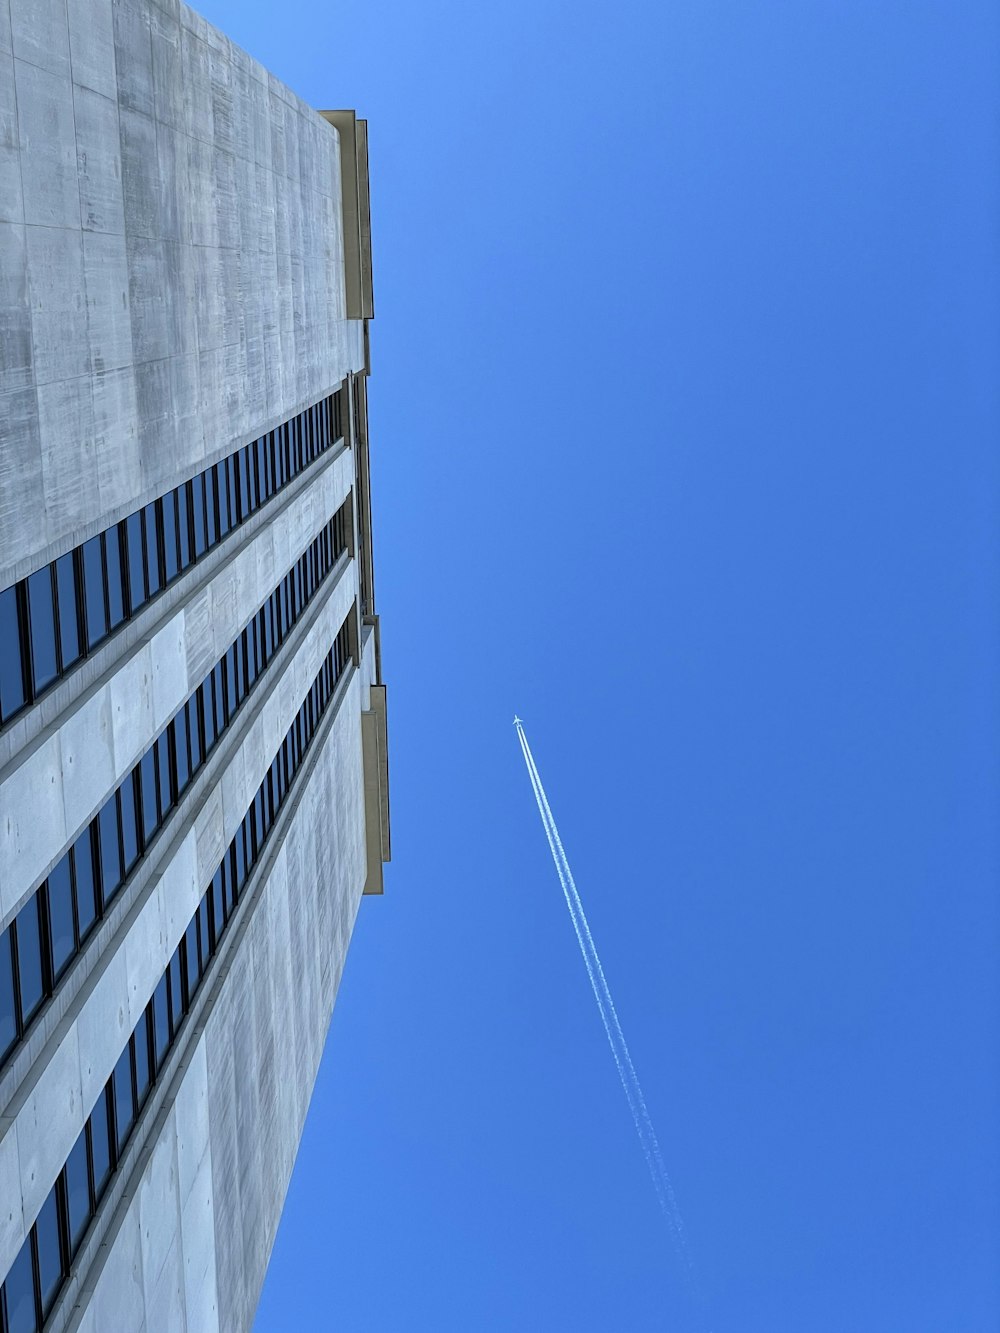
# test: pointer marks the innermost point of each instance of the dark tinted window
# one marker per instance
(130, 812)
(116, 599)
(11, 682)
(100, 1144)
(142, 1070)
(20, 1290)
(124, 1100)
(77, 1191)
(198, 504)
(152, 549)
(183, 530)
(179, 730)
(43, 628)
(50, 1260)
(147, 775)
(170, 535)
(69, 629)
(210, 507)
(193, 958)
(29, 958)
(93, 585)
(87, 900)
(192, 730)
(111, 863)
(176, 990)
(163, 772)
(61, 931)
(8, 1020)
(136, 561)
(161, 1022)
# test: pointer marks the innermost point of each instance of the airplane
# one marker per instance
(517, 720)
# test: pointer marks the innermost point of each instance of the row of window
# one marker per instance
(56, 616)
(39, 945)
(43, 1263)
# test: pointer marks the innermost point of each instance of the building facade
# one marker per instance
(193, 773)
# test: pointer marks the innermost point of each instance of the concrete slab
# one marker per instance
(47, 138)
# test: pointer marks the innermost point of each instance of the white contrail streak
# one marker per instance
(606, 1008)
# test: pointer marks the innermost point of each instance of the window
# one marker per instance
(19, 1288)
(8, 1013)
(111, 861)
(161, 1021)
(143, 1069)
(62, 936)
(41, 611)
(136, 560)
(69, 627)
(113, 560)
(12, 695)
(51, 1264)
(88, 901)
(29, 958)
(147, 785)
(124, 1097)
(77, 1191)
(100, 1145)
(93, 583)
(153, 579)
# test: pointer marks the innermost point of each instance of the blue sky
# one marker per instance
(684, 413)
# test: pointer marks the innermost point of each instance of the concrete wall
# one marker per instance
(189, 1244)
(171, 261)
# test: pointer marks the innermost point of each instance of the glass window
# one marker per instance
(222, 494)
(8, 1014)
(162, 748)
(171, 563)
(219, 695)
(177, 1005)
(100, 1144)
(241, 859)
(29, 958)
(77, 1191)
(179, 729)
(228, 882)
(124, 1097)
(232, 484)
(147, 784)
(218, 909)
(43, 628)
(20, 1290)
(246, 501)
(183, 529)
(136, 561)
(11, 680)
(230, 681)
(152, 549)
(50, 1257)
(198, 511)
(130, 811)
(61, 932)
(111, 861)
(211, 529)
(93, 585)
(143, 1074)
(194, 736)
(208, 713)
(161, 1022)
(88, 902)
(69, 629)
(113, 557)
(193, 960)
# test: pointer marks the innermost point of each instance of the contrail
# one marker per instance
(609, 1015)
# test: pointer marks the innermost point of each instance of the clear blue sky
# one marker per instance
(685, 417)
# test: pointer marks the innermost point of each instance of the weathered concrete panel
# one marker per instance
(161, 131)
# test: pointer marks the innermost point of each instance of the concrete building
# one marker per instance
(193, 778)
